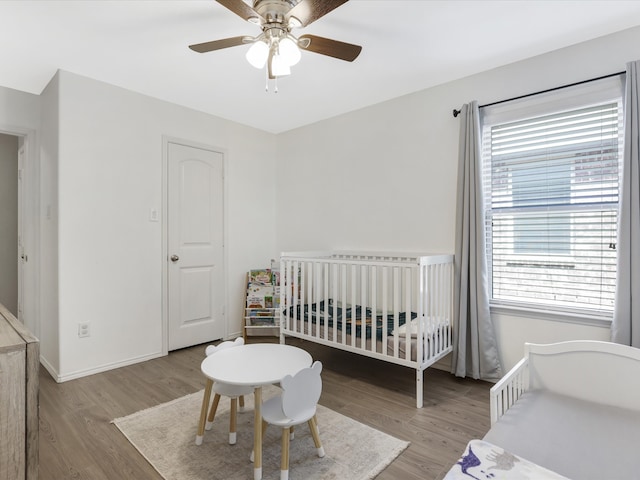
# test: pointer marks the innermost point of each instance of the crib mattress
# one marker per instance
(575, 438)
(396, 345)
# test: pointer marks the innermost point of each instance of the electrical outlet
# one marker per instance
(83, 330)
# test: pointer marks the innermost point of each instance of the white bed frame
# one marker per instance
(382, 282)
(590, 370)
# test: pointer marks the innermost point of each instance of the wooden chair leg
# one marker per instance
(212, 412)
(291, 432)
(264, 429)
(284, 462)
(241, 399)
(313, 426)
(233, 415)
(203, 411)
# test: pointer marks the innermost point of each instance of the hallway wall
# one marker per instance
(9, 222)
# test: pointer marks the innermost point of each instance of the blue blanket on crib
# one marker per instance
(347, 318)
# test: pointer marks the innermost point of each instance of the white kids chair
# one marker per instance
(296, 405)
(234, 392)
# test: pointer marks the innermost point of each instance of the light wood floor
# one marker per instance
(77, 440)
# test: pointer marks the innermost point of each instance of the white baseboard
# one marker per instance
(49, 368)
(91, 371)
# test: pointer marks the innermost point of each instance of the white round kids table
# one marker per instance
(255, 365)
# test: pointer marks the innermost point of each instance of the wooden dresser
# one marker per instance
(19, 383)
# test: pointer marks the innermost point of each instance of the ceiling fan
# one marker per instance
(276, 47)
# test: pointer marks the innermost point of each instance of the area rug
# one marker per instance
(165, 436)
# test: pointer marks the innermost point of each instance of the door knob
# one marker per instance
(175, 258)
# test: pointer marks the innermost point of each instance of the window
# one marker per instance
(550, 182)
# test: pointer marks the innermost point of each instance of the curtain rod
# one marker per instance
(457, 112)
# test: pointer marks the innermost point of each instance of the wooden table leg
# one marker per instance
(257, 434)
(233, 415)
(203, 411)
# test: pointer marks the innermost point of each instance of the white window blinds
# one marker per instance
(551, 202)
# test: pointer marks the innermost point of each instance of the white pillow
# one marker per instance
(402, 329)
(413, 325)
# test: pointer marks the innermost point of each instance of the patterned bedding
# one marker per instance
(484, 461)
(352, 315)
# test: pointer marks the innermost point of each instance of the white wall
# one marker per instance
(19, 111)
(384, 177)
(9, 222)
(48, 215)
(110, 254)
(367, 180)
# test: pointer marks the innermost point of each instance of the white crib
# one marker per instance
(395, 307)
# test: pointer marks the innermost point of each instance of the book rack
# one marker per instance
(262, 299)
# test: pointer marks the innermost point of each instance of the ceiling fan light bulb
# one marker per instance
(294, 22)
(289, 51)
(257, 54)
(279, 67)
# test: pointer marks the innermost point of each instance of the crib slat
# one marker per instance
(343, 298)
(385, 305)
(335, 289)
(356, 301)
(363, 303)
(326, 297)
(436, 306)
(396, 320)
(433, 298)
(308, 283)
(296, 293)
(407, 311)
(373, 295)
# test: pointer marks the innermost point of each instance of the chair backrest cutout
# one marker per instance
(301, 392)
(211, 349)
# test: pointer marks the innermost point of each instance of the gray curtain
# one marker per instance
(625, 328)
(475, 351)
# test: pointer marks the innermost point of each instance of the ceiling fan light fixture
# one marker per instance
(276, 48)
(257, 54)
(279, 66)
(289, 51)
(294, 22)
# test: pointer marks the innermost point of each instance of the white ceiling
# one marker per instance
(408, 45)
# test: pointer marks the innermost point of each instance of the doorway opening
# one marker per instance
(9, 224)
(19, 226)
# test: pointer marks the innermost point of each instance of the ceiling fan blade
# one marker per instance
(219, 44)
(242, 10)
(332, 48)
(308, 11)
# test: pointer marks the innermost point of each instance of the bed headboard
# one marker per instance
(602, 372)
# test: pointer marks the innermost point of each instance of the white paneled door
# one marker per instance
(195, 221)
